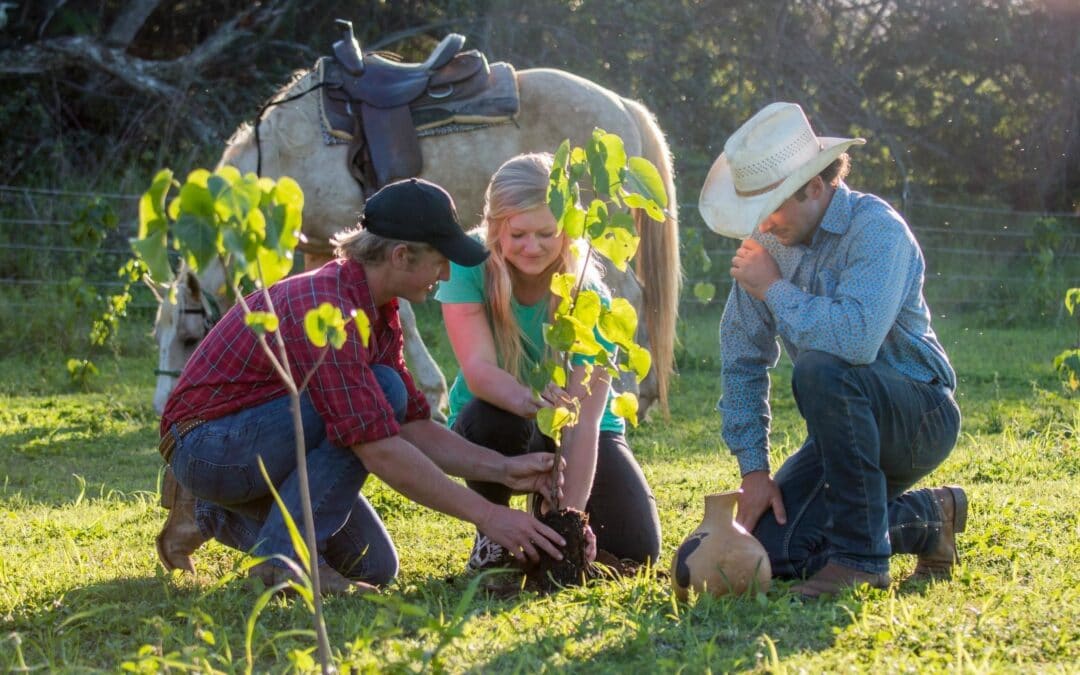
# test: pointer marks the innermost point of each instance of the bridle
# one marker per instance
(211, 314)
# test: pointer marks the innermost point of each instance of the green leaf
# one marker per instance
(363, 326)
(552, 421)
(625, 405)
(617, 245)
(560, 335)
(153, 251)
(587, 308)
(573, 221)
(584, 337)
(1067, 364)
(1072, 300)
(618, 322)
(537, 376)
(197, 236)
(639, 360)
(196, 199)
(562, 287)
(262, 322)
(152, 205)
(606, 159)
(704, 291)
(636, 201)
(273, 265)
(558, 375)
(643, 178)
(325, 324)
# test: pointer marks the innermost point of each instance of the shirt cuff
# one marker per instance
(751, 460)
(783, 294)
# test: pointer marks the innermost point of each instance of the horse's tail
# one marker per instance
(659, 269)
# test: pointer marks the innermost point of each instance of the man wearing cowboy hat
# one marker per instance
(837, 275)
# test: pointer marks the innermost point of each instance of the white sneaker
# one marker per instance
(486, 554)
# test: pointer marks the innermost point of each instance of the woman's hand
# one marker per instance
(590, 545)
(532, 473)
(552, 396)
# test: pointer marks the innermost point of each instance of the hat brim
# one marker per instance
(462, 250)
(728, 214)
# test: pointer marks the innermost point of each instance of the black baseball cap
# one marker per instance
(418, 210)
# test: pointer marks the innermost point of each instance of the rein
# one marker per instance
(211, 314)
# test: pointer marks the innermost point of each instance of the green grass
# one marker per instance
(81, 590)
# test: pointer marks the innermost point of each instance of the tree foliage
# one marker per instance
(980, 97)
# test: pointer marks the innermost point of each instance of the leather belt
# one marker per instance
(176, 432)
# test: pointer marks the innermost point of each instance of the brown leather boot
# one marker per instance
(938, 563)
(180, 536)
(834, 578)
(331, 582)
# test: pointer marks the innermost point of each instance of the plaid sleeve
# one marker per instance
(394, 356)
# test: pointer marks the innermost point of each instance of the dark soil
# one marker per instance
(549, 574)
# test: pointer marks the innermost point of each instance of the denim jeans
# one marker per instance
(218, 462)
(872, 433)
(621, 507)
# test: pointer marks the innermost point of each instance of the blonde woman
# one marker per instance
(494, 316)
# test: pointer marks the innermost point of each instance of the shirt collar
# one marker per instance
(837, 218)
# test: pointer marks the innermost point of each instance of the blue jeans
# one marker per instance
(218, 462)
(872, 434)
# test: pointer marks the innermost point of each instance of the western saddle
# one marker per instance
(379, 105)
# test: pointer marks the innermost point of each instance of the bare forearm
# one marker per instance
(454, 454)
(402, 466)
(579, 450)
(499, 388)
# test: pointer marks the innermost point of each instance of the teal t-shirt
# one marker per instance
(466, 285)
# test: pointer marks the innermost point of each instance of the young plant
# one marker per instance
(251, 225)
(1067, 363)
(616, 182)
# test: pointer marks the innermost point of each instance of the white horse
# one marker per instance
(554, 105)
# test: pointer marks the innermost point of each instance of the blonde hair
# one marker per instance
(367, 248)
(518, 186)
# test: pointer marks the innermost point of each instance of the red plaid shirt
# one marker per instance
(229, 371)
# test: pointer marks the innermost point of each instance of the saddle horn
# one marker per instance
(347, 50)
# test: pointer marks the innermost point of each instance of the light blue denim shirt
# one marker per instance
(856, 292)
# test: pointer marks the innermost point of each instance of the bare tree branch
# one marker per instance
(131, 19)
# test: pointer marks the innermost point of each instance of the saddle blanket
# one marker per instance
(496, 102)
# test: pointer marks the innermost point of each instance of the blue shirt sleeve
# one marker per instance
(851, 319)
(748, 348)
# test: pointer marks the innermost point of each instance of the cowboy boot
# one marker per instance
(180, 536)
(331, 582)
(834, 578)
(938, 562)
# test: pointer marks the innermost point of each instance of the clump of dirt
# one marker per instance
(549, 574)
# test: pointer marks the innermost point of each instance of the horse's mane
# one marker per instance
(243, 135)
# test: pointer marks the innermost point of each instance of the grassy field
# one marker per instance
(81, 589)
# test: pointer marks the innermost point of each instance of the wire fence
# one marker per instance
(978, 258)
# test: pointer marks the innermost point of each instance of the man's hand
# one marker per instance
(532, 473)
(759, 493)
(754, 269)
(520, 534)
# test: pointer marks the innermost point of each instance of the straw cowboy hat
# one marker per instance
(764, 162)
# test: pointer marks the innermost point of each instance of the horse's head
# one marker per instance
(178, 328)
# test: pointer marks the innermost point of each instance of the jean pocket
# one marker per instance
(220, 483)
(937, 435)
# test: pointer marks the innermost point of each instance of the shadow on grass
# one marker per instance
(39, 460)
(717, 634)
